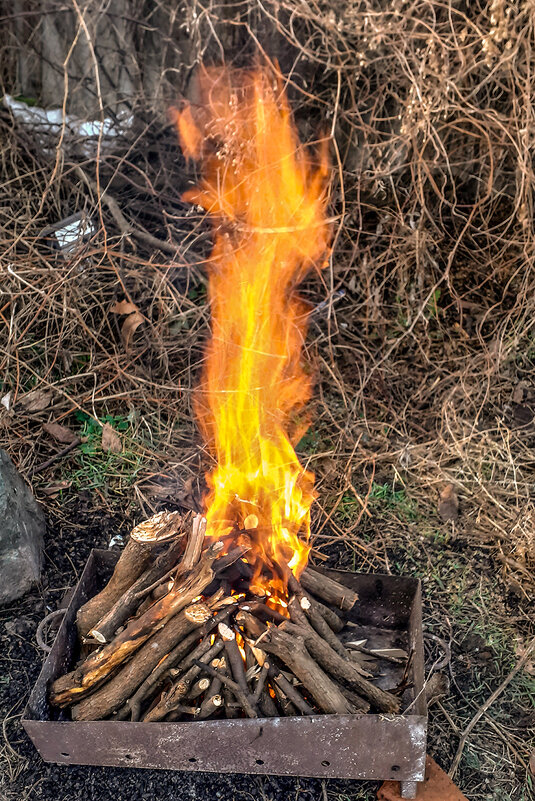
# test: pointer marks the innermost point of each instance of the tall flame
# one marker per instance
(267, 202)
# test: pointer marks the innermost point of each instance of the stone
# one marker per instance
(22, 526)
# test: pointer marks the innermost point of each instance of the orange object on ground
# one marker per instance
(437, 786)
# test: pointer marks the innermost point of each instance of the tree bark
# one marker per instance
(328, 590)
(126, 605)
(291, 650)
(132, 562)
(99, 665)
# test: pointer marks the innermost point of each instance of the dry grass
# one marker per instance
(425, 347)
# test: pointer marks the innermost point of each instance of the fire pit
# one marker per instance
(358, 746)
(214, 645)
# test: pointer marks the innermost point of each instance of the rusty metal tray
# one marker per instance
(326, 746)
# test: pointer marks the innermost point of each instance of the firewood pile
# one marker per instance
(180, 633)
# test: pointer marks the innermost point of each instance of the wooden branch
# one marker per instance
(341, 669)
(230, 558)
(320, 625)
(330, 616)
(267, 704)
(212, 700)
(183, 649)
(210, 705)
(247, 707)
(171, 700)
(264, 612)
(254, 627)
(194, 545)
(291, 650)
(328, 590)
(358, 702)
(234, 657)
(289, 691)
(133, 560)
(124, 226)
(181, 710)
(285, 705)
(360, 649)
(260, 683)
(98, 666)
(176, 638)
(125, 606)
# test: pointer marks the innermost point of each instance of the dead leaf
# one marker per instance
(132, 322)
(518, 393)
(36, 400)
(123, 307)
(110, 440)
(437, 688)
(532, 763)
(529, 665)
(59, 433)
(53, 490)
(522, 414)
(448, 506)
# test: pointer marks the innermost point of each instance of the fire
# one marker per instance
(266, 197)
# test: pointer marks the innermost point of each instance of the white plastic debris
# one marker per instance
(48, 124)
(117, 540)
(67, 235)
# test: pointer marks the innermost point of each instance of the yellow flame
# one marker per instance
(267, 201)
(241, 647)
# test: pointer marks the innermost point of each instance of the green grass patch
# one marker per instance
(383, 497)
(104, 469)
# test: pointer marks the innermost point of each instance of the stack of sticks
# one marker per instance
(177, 634)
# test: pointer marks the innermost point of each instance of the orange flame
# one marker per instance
(267, 203)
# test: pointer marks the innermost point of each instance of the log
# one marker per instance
(234, 657)
(341, 669)
(213, 700)
(133, 560)
(159, 528)
(99, 665)
(333, 620)
(195, 543)
(135, 680)
(171, 699)
(290, 691)
(210, 706)
(320, 625)
(125, 606)
(328, 590)
(231, 685)
(292, 651)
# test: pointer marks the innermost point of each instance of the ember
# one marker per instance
(219, 614)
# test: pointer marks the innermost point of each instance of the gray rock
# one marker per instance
(22, 525)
